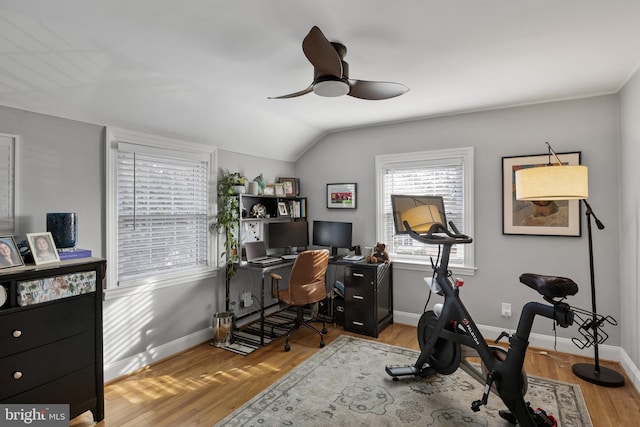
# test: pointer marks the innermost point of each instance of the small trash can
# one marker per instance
(222, 324)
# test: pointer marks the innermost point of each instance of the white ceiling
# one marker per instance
(201, 70)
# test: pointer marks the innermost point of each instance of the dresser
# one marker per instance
(51, 335)
(368, 298)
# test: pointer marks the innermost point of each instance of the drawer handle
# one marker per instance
(358, 323)
(17, 333)
(358, 274)
(17, 375)
(358, 297)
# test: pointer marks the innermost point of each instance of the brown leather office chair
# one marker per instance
(306, 286)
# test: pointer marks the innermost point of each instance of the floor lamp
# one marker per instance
(570, 182)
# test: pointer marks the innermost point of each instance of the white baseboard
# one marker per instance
(551, 343)
(140, 360)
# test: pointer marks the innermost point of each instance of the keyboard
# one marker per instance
(353, 257)
(266, 261)
(289, 257)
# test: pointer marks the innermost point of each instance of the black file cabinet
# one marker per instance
(368, 299)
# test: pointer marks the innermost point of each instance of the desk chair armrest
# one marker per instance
(275, 278)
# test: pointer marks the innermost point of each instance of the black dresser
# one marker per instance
(51, 335)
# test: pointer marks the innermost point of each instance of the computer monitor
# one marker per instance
(332, 234)
(421, 212)
(289, 234)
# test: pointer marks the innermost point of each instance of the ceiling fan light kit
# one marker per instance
(331, 73)
(331, 88)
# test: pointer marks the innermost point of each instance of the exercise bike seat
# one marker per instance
(550, 286)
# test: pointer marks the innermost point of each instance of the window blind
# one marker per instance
(161, 213)
(444, 180)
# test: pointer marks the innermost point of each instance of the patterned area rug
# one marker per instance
(248, 339)
(345, 384)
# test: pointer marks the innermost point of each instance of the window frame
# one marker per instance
(400, 160)
(12, 144)
(152, 143)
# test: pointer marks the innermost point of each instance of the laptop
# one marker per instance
(257, 254)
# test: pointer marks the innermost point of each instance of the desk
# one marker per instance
(264, 270)
(368, 294)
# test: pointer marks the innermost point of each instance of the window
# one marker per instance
(159, 206)
(7, 182)
(447, 173)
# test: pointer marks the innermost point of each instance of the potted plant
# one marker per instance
(228, 222)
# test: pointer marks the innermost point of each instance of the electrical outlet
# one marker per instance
(506, 309)
(246, 298)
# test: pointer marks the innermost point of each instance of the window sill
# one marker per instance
(412, 265)
(151, 284)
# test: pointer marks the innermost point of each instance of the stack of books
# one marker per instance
(73, 253)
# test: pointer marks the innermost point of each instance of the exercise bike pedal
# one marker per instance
(401, 371)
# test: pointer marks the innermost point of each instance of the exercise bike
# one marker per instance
(449, 337)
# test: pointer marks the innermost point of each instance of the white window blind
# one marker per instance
(162, 214)
(7, 183)
(443, 173)
(160, 202)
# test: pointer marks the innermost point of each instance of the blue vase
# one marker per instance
(64, 229)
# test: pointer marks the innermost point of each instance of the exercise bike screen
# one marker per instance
(421, 212)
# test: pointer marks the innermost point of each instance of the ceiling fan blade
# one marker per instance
(364, 89)
(321, 53)
(293, 95)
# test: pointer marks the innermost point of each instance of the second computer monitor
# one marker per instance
(332, 234)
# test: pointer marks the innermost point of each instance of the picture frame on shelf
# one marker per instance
(537, 218)
(42, 248)
(341, 196)
(290, 186)
(279, 190)
(269, 190)
(282, 209)
(9, 253)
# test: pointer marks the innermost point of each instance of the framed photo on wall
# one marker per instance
(537, 218)
(341, 196)
(9, 253)
(42, 248)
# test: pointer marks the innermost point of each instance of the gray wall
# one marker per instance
(630, 218)
(587, 125)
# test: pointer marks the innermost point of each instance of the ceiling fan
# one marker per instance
(331, 73)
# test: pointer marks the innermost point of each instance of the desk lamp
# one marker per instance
(567, 182)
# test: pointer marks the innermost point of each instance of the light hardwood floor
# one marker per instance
(204, 384)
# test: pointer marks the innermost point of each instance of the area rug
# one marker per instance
(345, 384)
(247, 339)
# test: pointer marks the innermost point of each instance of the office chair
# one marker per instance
(306, 286)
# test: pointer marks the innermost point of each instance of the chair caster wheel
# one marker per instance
(287, 347)
(321, 344)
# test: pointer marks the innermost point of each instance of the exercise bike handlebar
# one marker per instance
(443, 237)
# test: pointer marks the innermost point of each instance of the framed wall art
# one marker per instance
(341, 196)
(537, 218)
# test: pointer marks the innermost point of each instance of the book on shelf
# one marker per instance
(74, 253)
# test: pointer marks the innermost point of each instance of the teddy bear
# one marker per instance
(380, 254)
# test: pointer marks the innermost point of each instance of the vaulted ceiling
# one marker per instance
(202, 70)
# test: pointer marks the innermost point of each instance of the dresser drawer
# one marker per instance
(30, 369)
(358, 318)
(39, 325)
(72, 389)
